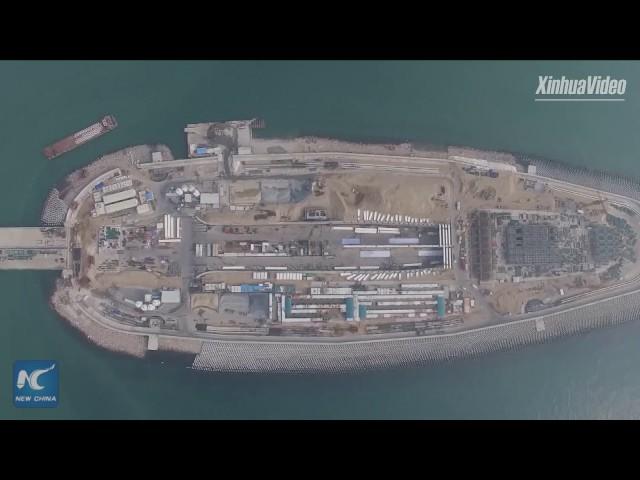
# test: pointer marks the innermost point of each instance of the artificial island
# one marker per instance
(314, 254)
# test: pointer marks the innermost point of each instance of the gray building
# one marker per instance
(605, 242)
(311, 214)
(531, 244)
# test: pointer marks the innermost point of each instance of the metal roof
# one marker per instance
(170, 296)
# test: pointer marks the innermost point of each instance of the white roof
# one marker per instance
(144, 208)
(210, 198)
(118, 196)
(156, 156)
(124, 205)
(170, 296)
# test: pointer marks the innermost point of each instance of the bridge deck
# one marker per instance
(33, 248)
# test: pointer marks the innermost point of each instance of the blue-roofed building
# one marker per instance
(251, 288)
(349, 304)
(441, 306)
(287, 306)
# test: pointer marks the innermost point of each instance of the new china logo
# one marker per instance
(35, 384)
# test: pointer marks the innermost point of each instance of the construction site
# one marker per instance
(315, 238)
(528, 260)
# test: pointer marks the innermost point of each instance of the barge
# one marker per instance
(74, 140)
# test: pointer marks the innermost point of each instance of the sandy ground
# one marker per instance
(207, 301)
(316, 144)
(510, 297)
(205, 306)
(399, 194)
(506, 191)
(345, 193)
(136, 278)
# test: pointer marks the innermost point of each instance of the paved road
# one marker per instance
(186, 265)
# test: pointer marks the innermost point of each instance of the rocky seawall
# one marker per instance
(263, 357)
(599, 180)
(120, 342)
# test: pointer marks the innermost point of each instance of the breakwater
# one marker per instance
(599, 180)
(54, 210)
(379, 354)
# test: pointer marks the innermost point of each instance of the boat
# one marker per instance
(106, 124)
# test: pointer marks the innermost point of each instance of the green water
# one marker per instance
(482, 104)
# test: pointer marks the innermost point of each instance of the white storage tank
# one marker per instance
(179, 191)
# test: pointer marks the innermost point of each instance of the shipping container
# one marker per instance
(351, 241)
(403, 241)
(375, 253)
(431, 253)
